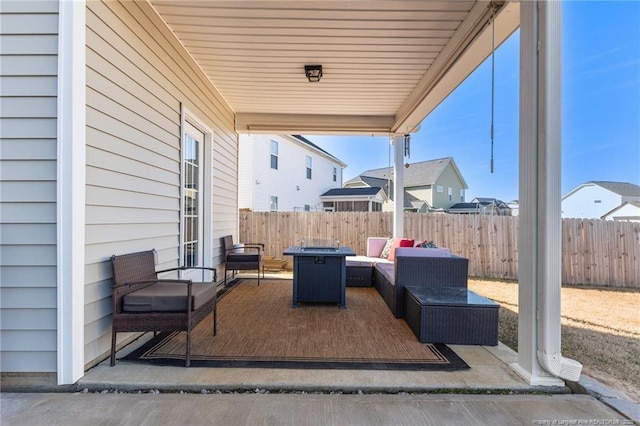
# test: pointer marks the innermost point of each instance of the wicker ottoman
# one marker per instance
(453, 315)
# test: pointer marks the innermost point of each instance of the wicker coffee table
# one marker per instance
(453, 315)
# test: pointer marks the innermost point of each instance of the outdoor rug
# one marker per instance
(257, 327)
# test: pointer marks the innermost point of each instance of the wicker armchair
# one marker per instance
(248, 259)
(142, 302)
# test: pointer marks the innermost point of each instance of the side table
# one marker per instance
(454, 315)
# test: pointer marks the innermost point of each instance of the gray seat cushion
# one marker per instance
(388, 271)
(243, 257)
(168, 297)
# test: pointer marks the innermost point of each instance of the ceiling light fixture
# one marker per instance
(313, 73)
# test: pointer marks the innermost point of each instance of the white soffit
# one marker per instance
(386, 64)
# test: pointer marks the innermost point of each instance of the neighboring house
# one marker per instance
(368, 199)
(482, 206)
(627, 211)
(284, 173)
(594, 199)
(429, 185)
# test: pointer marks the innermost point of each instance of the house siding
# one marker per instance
(28, 77)
(448, 179)
(583, 203)
(289, 182)
(138, 78)
(420, 192)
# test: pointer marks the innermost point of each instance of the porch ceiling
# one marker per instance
(386, 64)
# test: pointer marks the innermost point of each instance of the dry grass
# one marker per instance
(600, 329)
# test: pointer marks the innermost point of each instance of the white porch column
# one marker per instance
(540, 238)
(71, 165)
(398, 186)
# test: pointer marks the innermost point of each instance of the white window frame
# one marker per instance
(207, 168)
(439, 188)
(272, 154)
(309, 167)
(273, 201)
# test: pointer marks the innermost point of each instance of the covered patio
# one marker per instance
(384, 67)
(224, 68)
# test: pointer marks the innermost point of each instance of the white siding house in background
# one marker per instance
(274, 173)
(593, 200)
(629, 211)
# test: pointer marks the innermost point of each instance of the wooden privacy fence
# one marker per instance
(595, 252)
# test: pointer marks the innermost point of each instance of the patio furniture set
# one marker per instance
(425, 286)
(428, 288)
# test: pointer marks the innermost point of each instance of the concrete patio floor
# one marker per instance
(490, 392)
(489, 371)
(299, 409)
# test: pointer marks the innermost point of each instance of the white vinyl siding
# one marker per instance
(138, 75)
(28, 173)
(258, 181)
(583, 203)
(450, 180)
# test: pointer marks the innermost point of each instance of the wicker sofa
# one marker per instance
(428, 267)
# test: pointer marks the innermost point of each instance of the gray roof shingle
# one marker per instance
(345, 192)
(417, 174)
(624, 189)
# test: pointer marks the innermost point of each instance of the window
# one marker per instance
(307, 208)
(597, 201)
(308, 167)
(335, 174)
(462, 195)
(274, 155)
(191, 193)
(450, 193)
(440, 188)
(273, 204)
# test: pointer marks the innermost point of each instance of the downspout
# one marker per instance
(549, 273)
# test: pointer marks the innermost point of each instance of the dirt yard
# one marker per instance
(600, 329)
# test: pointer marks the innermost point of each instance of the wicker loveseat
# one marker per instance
(415, 267)
(142, 302)
(422, 267)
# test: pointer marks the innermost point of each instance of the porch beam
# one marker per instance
(539, 247)
(313, 124)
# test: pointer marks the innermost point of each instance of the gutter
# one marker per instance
(548, 353)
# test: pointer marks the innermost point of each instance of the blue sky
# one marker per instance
(600, 110)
